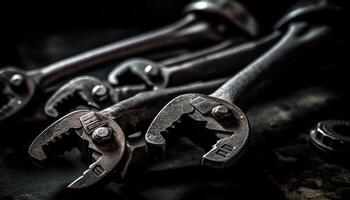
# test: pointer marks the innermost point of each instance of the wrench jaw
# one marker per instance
(16, 91)
(138, 71)
(230, 11)
(98, 137)
(197, 117)
(83, 92)
(54, 139)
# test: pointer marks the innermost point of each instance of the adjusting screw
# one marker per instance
(17, 80)
(221, 112)
(100, 92)
(102, 135)
(152, 70)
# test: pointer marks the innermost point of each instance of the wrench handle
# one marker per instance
(174, 61)
(188, 30)
(300, 43)
(220, 63)
(136, 111)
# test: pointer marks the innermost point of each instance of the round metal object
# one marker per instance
(17, 80)
(221, 112)
(332, 136)
(102, 135)
(100, 92)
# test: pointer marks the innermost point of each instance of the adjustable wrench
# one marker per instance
(99, 134)
(157, 75)
(137, 75)
(103, 135)
(216, 122)
(18, 87)
(95, 94)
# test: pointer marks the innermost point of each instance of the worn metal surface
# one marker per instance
(222, 62)
(280, 163)
(78, 92)
(77, 129)
(228, 140)
(265, 174)
(191, 29)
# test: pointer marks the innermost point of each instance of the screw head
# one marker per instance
(17, 80)
(100, 92)
(151, 70)
(102, 135)
(221, 112)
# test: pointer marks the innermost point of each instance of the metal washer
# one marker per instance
(332, 136)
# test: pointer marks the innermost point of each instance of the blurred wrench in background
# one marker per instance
(95, 94)
(205, 21)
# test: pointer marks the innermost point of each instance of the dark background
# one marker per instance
(31, 21)
(36, 33)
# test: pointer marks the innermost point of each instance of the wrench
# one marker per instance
(85, 129)
(123, 69)
(18, 87)
(102, 135)
(216, 122)
(156, 75)
(91, 93)
(151, 75)
(96, 94)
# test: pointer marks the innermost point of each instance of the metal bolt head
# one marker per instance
(102, 135)
(100, 92)
(221, 112)
(17, 80)
(152, 70)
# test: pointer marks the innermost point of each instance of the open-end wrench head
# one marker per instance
(223, 129)
(84, 91)
(136, 71)
(16, 91)
(231, 11)
(98, 137)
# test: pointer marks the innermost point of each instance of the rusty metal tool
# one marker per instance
(215, 122)
(91, 93)
(95, 94)
(156, 75)
(204, 21)
(103, 136)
